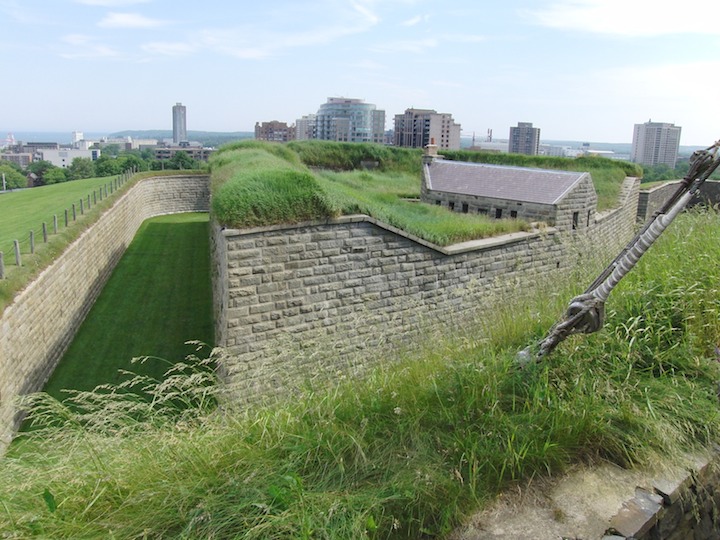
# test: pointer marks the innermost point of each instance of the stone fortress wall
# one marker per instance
(311, 301)
(37, 328)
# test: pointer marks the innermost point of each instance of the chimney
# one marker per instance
(430, 152)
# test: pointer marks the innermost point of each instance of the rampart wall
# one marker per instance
(36, 329)
(298, 303)
(651, 200)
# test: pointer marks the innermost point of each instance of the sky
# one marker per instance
(583, 70)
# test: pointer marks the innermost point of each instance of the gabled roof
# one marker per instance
(541, 186)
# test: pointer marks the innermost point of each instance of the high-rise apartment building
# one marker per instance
(416, 128)
(655, 143)
(274, 131)
(524, 139)
(305, 127)
(179, 123)
(349, 120)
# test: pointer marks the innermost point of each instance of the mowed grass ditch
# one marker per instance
(408, 451)
(158, 299)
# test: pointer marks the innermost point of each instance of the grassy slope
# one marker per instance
(158, 298)
(412, 448)
(26, 210)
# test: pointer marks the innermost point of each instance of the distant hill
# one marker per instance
(207, 138)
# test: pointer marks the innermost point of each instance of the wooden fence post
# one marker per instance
(82, 207)
(74, 212)
(2, 265)
(18, 260)
(55, 226)
(32, 242)
(66, 217)
(94, 198)
(44, 232)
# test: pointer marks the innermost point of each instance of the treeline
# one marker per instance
(662, 172)
(110, 163)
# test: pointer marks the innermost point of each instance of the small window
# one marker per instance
(451, 204)
(482, 211)
(576, 220)
(465, 208)
(498, 213)
(513, 214)
(438, 202)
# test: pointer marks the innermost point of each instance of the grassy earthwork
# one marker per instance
(408, 451)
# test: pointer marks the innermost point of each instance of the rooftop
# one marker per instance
(501, 182)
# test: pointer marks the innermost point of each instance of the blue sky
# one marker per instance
(578, 69)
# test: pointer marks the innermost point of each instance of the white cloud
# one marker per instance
(111, 3)
(258, 41)
(634, 18)
(415, 46)
(370, 16)
(169, 48)
(86, 47)
(129, 20)
(414, 21)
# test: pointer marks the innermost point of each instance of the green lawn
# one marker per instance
(26, 210)
(158, 298)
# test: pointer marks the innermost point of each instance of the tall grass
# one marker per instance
(254, 186)
(383, 197)
(405, 452)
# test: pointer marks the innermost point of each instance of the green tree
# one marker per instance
(81, 168)
(111, 150)
(107, 166)
(132, 161)
(14, 179)
(181, 160)
(39, 168)
(55, 175)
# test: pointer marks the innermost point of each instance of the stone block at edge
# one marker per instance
(638, 515)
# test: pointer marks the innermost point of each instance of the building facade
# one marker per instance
(179, 115)
(274, 131)
(306, 127)
(655, 143)
(350, 120)
(524, 139)
(562, 199)
(416, 128)
(63, 157)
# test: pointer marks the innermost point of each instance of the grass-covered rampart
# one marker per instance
(257, 183)
(405, 452)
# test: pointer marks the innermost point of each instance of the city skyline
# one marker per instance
(578, 69)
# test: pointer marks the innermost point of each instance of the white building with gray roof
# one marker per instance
(563, 199)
